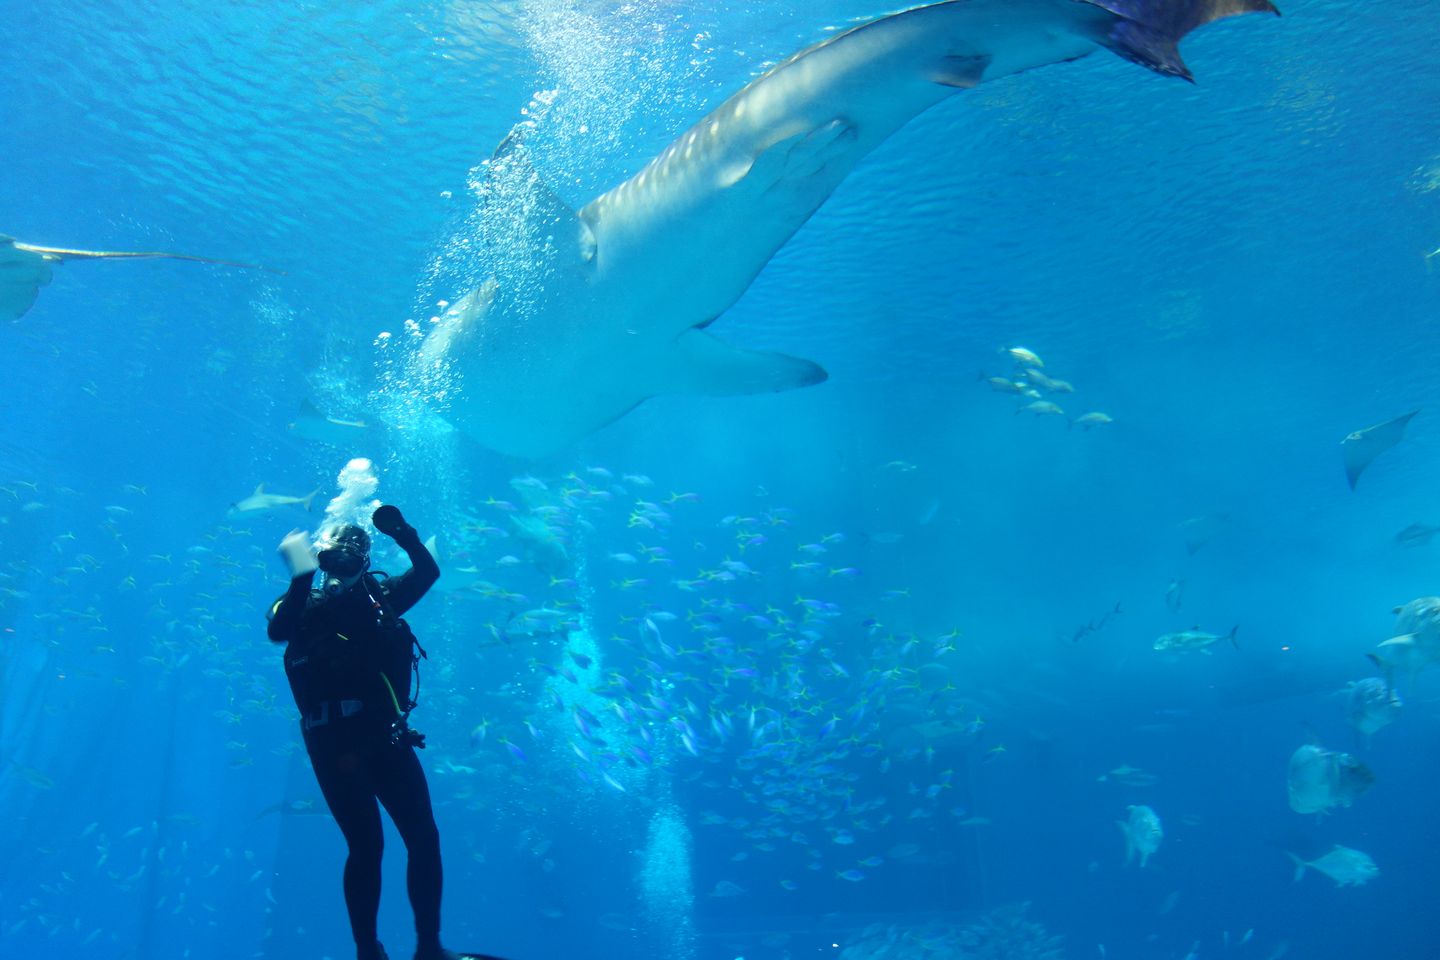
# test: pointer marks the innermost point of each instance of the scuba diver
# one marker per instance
(349, 661)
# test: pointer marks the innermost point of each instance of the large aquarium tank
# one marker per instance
(955, 483)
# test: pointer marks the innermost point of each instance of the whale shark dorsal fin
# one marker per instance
(548, 208)
(705, 365)
(259, 489)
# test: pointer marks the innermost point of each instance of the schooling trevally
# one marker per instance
(620, 309)
(1347, 867)
(1142, 831)
(1194, 639)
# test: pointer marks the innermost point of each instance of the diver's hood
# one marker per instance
(343, 551)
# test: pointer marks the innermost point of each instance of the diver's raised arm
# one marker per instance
(299, 557)
(407, 589)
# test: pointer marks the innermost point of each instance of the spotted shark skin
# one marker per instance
(640, 272)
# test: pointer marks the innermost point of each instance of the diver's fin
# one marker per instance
(1148, 32)
(711, 367)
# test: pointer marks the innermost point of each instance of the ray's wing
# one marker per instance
(1362, 447)
(1199, 531)
(22, 273)
(25, 268)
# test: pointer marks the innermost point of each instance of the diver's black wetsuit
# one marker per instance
(349, 662)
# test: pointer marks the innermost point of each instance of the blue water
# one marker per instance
(1234, 271)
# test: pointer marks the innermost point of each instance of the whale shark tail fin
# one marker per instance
(1149, 32)
(705, 365)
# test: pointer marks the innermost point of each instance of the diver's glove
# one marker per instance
(388, 520)
(297, 553)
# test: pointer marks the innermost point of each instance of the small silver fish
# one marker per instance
(1024, 357)
(1092, 419)
(1347, 867)
(1194, 639)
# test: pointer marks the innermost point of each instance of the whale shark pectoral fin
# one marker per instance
(1148, 32)
(704, 365)
(961, 72)
(460, 324)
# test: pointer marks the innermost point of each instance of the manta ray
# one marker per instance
(25, 268)
(1362, 447)
(640, 273)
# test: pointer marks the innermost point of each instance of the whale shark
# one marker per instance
(634, 279)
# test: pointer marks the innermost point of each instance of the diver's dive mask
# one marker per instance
(343, 551)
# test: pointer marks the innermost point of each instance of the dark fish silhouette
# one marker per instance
(1363, 446)
(1416, 535)
(1095, 626)
(1197, 531)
